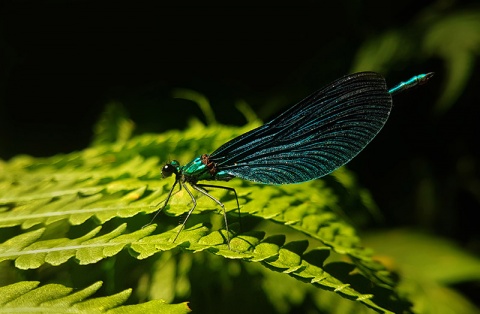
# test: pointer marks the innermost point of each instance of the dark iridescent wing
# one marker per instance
(313, 138)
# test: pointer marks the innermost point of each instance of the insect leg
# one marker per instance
(229, 189)
(194, 201)
(165, 204)
(201, 188)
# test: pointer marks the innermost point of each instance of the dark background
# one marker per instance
(63, 61)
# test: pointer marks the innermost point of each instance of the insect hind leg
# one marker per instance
(203, 186)
(202, 189)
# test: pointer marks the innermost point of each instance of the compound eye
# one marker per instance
(168, 170)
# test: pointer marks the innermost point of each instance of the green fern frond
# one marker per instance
(28, 297)
(106, 191)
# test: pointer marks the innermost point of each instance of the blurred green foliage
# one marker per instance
(75, 210)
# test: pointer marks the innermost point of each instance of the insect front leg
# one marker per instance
(166, 202)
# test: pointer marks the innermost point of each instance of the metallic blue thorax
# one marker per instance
(197, 170)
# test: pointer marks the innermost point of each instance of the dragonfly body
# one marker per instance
(200, 169)
(412, 82)
(309, 140)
